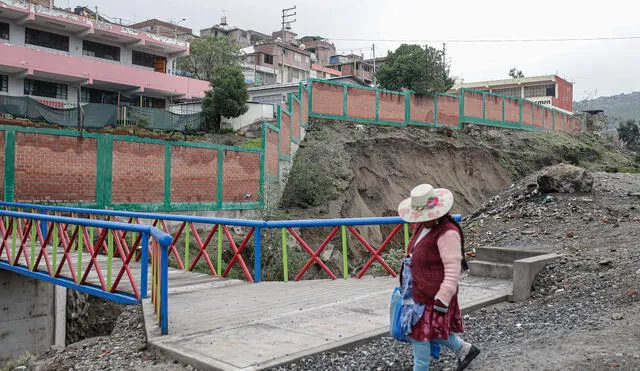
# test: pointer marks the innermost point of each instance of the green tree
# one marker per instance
(227, 97)
(423, 70)
(516, 73)
(629, 133)
(208, 52)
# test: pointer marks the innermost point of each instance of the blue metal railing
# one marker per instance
(22, 232)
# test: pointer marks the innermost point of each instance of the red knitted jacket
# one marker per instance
(427, 270)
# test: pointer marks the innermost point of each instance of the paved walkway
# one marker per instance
(217, 324)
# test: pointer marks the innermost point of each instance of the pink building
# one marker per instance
(61, 58)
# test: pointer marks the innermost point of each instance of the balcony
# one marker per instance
(25, 14)
(30, 62)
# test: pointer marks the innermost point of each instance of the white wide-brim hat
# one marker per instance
(426, 203)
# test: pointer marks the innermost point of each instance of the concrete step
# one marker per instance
(504, 254)
(491, 269)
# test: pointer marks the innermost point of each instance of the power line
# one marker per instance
(468, 41)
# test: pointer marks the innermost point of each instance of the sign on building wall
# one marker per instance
(545, 101)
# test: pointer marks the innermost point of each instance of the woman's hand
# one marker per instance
(439, 306)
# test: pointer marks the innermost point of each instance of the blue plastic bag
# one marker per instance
(395, 312)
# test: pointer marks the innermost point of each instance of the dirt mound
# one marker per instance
(371, 168)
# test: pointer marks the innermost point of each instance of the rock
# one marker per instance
(617, 316)
(565, 178)
(638, 271)
(548, 199)
(605, 262)
(570, 234)
(529, 232)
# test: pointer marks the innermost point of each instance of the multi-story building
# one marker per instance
(548, 90)
(244, 38)
(291, 63)
(319, 72)
(353, 65)
(61, 58)
(166, 29)
(321, 49)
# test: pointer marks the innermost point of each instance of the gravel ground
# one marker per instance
(584, 313)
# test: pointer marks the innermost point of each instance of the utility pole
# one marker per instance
(286, 14)
(374, 64)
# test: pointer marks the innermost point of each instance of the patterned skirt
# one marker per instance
(433, 324)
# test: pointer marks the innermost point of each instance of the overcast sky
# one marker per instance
(598, 68)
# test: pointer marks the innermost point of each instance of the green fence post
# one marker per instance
(108, 169)
(405, 228)
(345, 253)
(407, 107)
(344, 101)
(285, 256)
(377, 105)
(435, 109)
(219, 262)
(220, 179)
(520, 112)
(9, 164)
(167, 175)
(461, 113)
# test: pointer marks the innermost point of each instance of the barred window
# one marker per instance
(46, 39)
(4, 30)
(509, 92)
(142, 59)
(268, 59)
(540, 91)
(4, 83)
(45, 89)
(94, 49)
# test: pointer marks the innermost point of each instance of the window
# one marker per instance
(88, 95)
(153, 102)
(509, 92)
(298, 57)
(4, 30)
(4, 83)
(306, 59)
(45, 89)
(540, 91)
(284, 51)
(243, 35)
(295, 74)
(268, 59)
(158, 63)
(93, 49)
(46, 39)
(142, 59)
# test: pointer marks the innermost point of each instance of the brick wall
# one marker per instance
(272, 153)
(327, 99)
(305, 106)
(473, 104)
(295, 119)
(565, 95)
(422, 108)
(361, 103)
(548, 120)
(285, 132)
(527, 111)
(511, 110)
(493, 108)
(241, 177)
(193, 174)
(138, 172)
(448, 110)
(391, 107)
(538, 114)
(2, 165)
(51, 168)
